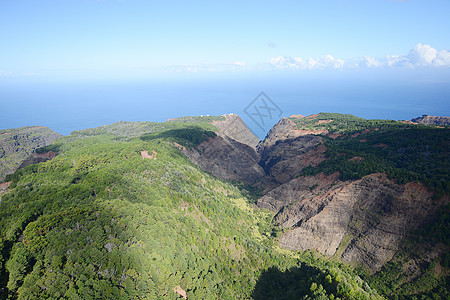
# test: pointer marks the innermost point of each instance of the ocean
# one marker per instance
(67, 106)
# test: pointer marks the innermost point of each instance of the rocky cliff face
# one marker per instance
(360, 221)
(36, 158)
(432, 120)
(234, 128)
(285, 151)
(227, 158)
(18, 144)
(231, 154)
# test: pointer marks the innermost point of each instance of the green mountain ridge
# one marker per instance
(19, 143)
(127, 211)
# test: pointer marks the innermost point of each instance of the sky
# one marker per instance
(129, 39)
(73, 64)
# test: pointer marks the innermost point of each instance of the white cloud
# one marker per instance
(205, 67)
(5, 73)
(287, 62)
(442, 58)
(371, 62)
(421, 55)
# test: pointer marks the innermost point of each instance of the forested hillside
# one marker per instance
(19, 143)
(121, 213)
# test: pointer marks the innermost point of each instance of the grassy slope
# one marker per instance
(98, 222)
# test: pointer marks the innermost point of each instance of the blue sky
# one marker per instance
(93, 62)
(137, 39)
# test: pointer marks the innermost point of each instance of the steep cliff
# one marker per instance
(234, 128)
(227, 158)
(363, 191)
(366, 219)
(231, 153)
(368, 193)
(344, 186)
(18, 144)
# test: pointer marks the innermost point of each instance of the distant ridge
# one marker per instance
(19, 143)
(432, 120)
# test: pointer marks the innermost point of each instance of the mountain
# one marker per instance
(326, 206)
(231, 154)
(362, 191)
(18, 144)
(432, 120)
(121, 212)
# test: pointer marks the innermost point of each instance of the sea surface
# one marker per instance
(68, 106)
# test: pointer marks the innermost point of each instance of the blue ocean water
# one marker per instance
(65, 106)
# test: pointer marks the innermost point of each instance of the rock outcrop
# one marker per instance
(231, 154)
(285, 151)
(227, 158)
(234, 128)
(283, 130)
(432, 120)
(36, 158)
(361, 221)
(285, 160)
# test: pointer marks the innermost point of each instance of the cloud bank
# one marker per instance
(420, 56)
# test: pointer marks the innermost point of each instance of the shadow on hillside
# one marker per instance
(192, 135)
(293, 283)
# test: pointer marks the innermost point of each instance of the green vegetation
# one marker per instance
(346, 124)
(17, 144)
(100, 222)
(404, 152)
(313, 278)
(198, 119)
(430, 278)
(190, 136)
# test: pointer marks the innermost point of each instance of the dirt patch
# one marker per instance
(356, 158)
(312, 116)
(325, 121)
(301, 132)
(145, 155)
(333, 135)
(181, 147)
(4, 187)
(48, 155)
(297, 116)
(363, 140)
(381, 145)
(359, 133)
(178, 290)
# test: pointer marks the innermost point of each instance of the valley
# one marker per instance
(326, 206)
